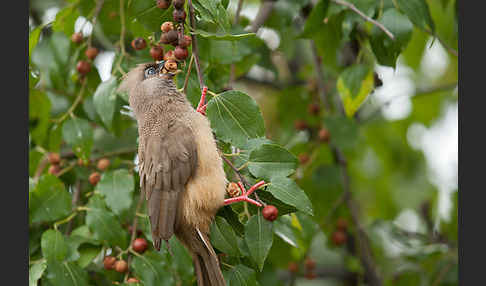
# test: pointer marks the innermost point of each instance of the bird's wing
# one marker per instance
(170, 159)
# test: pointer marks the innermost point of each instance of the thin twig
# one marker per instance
(75, 104)
(195, 51)
(75, 200)
(238, 11)
(189, 67)
(262, 15)
(99, 4)
(364, 16)
(236, 21)
(123, 27)
(442, 273)
(134, 228)
(446, 46)
(320, 76)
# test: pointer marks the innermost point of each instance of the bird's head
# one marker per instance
(147, 83)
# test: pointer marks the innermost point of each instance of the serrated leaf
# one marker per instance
(117, 187)
(222, 36)
(104, 225)
(223, 237)
(65, 20)
(386, 49)
(286, 190)
(235, 117)
(78, 134)
(54, 246)
(283, 228)
(418, 12)
(35, 272)
(240, 275)
(259, 238)
(150, 268)
(49, 200)
(314, 22)
(270, 160)
(66, 274)
(354, 85)
(104, 100)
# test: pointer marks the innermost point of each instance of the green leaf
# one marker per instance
(284, 229)
(35, 272)
(343, 130)
(240, 275)
(270, 160)
(222, 36)
(386, 49)
(223, 237)
(87, 254)
(354, 85)
(53, 245)
(418, 12)
(49, 200)
(66, 274)
(39, 109)
(104, 100)
(104, 225)
(150, 268)
(34, 38)
(235, 117)
(78, 134)
(117, 186)
(259, 238)
(213, 10)
(314, 22)
(65, 20)
(286, 190)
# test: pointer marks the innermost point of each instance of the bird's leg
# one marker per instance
(201, 107)
(244, 197)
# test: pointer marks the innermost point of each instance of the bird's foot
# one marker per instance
(244, 197)
(201, 107)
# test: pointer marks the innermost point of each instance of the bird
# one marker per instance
(181, 171)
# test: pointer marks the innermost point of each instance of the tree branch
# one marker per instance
(364, 16)
(262, 15)
(76, 195)
(320, 76)
(195, 51)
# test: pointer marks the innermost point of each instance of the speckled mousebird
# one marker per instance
(181, 171)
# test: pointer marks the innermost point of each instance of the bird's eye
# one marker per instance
(150, 71)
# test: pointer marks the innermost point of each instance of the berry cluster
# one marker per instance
(119, 265)
(84, 66)
(172, 34)
(340, 236)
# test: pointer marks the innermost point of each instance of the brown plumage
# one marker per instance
(181, 172)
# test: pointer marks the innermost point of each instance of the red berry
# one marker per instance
(339, 237)
(157, 53)
(167, 26)
(270, 213)
(179, 16)
(54, 169)
(293, 267)
(109, 262)
(179, 4)
(139, 245)
(341, 224)
(133, 280)
(121, 266)
(169, 56)
(94, 178)
(324, 135)
(304, 158)
(83, 67)
(77, 38)
(54, 158)
(185, 41)
(300, 124)
(180, 53)
(139, 43)
(91, 53)
(310, 264)
(103, 164)
(314, 108)
(163, 4)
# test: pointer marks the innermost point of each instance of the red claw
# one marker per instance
(245, 195)
(201, 107)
